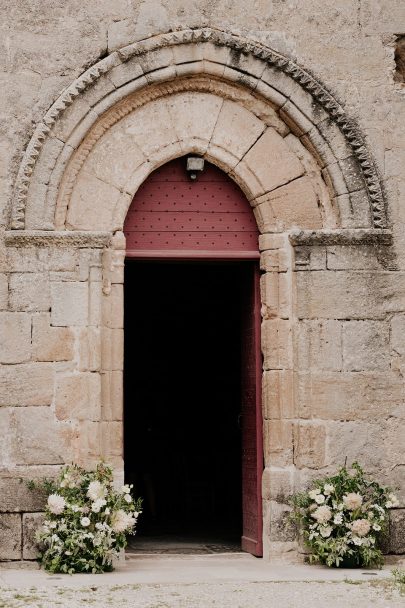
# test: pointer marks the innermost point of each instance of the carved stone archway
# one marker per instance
(300, 100)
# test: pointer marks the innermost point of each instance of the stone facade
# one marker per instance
(317, 151)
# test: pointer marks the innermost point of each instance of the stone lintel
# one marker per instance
(357, 236)
(63, 238)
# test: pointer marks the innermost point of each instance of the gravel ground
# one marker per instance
(348, 594)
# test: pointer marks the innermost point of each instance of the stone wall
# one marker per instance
(60, 392)
(333, 285)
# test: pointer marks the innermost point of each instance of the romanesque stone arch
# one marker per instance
(134, 76)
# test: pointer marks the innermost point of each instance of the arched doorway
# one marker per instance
(193, 431)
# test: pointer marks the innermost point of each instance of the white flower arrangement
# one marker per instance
(343, 517)
(86, 521)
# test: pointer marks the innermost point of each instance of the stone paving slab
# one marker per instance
(195, 581)
(210, 594)
(155, 569)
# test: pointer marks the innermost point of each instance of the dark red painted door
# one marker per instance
(251, 418)
(173, 217)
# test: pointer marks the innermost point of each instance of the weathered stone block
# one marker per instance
(40, 438)
(347, 395)
(309, 445)
(125, 72)
(86, 444)
(278, 395)
(51, 343)
(398, 334)
(15, 337)
(90, 265)
(31, 524)
(269, 291)
(62, 260)
(69, 304)
(278, 443)
(156, 113)
(272, 162)
(273, 241)
(113, 307)
(96, 298)
(318, 345)
(235, 131)
(281, 526)
(352, 174)
(3, 291)
(275, 260)
(10, 536)
(112, 439)
(309, 258)
(117, 143)
(349, 295)
(112, 395)
(351, 440)
(277, 344)
(26, 384)
(27, 259)
(356, 258)
(334, 137)
(277, 484)
(8, 437)
(293, 205)
(365, 345)
(194, 116)
(16, 496)
(78, 396)
(91, 193)
(112, 354)
(90, 349)
(29, 291)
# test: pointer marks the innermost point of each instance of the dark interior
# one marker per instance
(182, 396)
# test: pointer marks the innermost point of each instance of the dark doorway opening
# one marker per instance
(183, 396)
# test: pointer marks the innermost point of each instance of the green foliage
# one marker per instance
(343, 517)
(399, 579)
(87, 520)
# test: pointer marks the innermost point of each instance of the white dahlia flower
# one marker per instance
(56, 504)
(338, 519)
(314, 493)
(85, 521)
(326, 531)
(96, 490)
(357, 540)
(392, 501)
(319, 499)
(322, 514)
(125, 489)
(352, 501)
(121, 521)
(98, 504)
(361, 527)
(328, 489)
